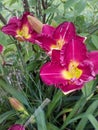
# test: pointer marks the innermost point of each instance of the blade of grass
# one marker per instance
(84, 120)
(14, 92)
(5, 115)
(76, 108)
(54, 102)
(50, 126)
(93, 121)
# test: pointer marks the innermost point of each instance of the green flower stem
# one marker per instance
(42, 106)
(20, 55)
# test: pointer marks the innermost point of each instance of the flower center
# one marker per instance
(23, 33)
(59, 44)
(73, 71)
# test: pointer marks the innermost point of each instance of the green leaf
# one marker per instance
(54, 102)
(78, 106)
(40, 119)
(52, 9)
(14, 92)
(95, 40)
(81, 125)
(0, 6)
(5, 115)
(13, 2)
(88, 88)
(3, 38)
(69, 3)
(80, 6)
(50, 126)
(93, 121)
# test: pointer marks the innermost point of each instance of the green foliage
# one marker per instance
(40, 119)
(19, 77)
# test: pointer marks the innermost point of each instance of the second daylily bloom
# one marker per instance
(20, 28)
(17, 127)
(78, 66)
(55, 38)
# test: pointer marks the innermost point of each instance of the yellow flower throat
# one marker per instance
(23, 33)
(72, 72)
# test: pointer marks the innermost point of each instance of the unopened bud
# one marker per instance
(35, 24)
(17, 105)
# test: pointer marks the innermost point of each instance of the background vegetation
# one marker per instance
(19, 74)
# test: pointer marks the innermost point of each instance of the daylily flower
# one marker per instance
(1, 48)
(17, 127)
(73, 69)
(20, 28)
(55, 38)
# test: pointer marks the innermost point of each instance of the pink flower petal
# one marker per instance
(17, 127)
(51, 72)
(65, 31)
(47, 29)
(88, 71)
(10, 29)
(55, 56)
(68, 88)
(82, 39)
(45, 42)
(93, 57)
(75, 50)
(1, 48)
(13, 20)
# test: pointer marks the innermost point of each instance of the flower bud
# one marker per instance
(35, 23)
(17, 105)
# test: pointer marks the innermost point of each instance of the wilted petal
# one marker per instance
(93, 57)
(75, 50)
(17, 127)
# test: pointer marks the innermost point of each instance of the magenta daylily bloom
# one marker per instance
(17, 127)
(72, 70)
(20, 28)
(1, 48)
(55, 38)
